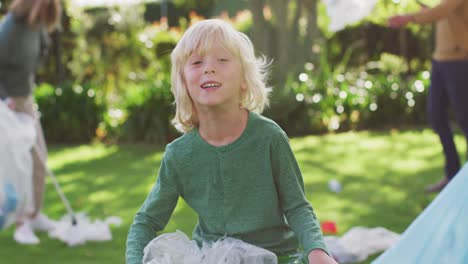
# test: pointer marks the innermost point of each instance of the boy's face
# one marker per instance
(214, 79)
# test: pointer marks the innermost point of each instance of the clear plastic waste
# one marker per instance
(359, 243)
(84, 230)
(334, 185)
(178, 248)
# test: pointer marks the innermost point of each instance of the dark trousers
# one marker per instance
(449, 89)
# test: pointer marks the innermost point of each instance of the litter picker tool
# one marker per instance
(62, 196)
(59, 191)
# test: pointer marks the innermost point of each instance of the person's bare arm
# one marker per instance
(440, 11)
(426, 14)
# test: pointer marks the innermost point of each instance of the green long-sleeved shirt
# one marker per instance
(251, 189)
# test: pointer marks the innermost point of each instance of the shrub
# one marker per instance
(149, 115)
(378, 94)
(69, 113)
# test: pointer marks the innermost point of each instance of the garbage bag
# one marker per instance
(85, 229)
(17, 136)
(178, 248)
(440, 233)
(344, 12)
(359, 243)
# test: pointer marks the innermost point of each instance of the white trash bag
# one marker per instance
(344, 12)
(17, 137)
(84, 230)
(177, 248)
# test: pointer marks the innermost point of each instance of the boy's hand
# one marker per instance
(318, 256)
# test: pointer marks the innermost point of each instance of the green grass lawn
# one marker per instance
(383, 176)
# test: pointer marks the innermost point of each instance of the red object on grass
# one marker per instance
(329, 227)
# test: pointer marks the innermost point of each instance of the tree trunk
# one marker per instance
(313, 33)
(280, 13)
(296, 44)
(260, 27)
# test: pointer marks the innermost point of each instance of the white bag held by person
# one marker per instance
(177, 248)
(344, 12)
(17, 136)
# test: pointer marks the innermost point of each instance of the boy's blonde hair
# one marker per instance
(38, 12)
(199, 38)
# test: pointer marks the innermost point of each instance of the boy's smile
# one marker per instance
(209, 84)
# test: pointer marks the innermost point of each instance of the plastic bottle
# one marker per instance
(334, 185)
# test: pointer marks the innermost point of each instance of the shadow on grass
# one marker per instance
(109, 184)
(383, 176)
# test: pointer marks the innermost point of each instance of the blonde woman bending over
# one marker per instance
(24, 40)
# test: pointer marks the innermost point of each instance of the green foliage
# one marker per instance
(127, 60)
(143, 114)
(70, 113)
(377, 94)
(111, 48)
(150, 121)
(148, 112)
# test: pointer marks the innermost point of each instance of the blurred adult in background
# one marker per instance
(449, 77)
(24, 42)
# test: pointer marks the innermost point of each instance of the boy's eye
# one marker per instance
(223, 59)
(196, 62)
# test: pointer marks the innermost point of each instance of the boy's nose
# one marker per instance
(209, 67)
(209, 71)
